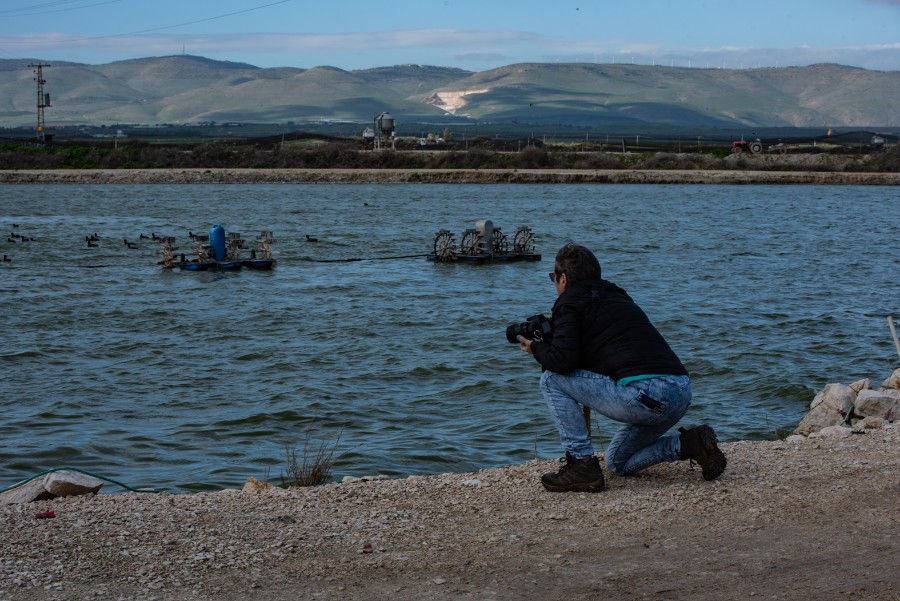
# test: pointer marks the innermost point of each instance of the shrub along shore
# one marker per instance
(462, 176)
(219, 162)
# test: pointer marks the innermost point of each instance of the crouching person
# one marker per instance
(605, 354)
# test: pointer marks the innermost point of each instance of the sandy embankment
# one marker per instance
(472, 176)
(812, 519)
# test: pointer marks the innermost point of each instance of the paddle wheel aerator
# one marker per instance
(484, 243)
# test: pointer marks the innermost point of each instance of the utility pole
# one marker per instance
(43, 100)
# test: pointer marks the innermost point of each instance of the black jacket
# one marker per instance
(598, 327)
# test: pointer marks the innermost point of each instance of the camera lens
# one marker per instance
(514, 330)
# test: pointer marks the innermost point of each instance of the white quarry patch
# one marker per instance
(451, 102)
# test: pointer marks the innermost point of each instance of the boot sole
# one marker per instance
(595, 486)
(716, 462)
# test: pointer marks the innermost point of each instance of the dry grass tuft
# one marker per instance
(311, 464)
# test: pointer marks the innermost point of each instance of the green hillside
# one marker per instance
(191, 89)
(815, 96)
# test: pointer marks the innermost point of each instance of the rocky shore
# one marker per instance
(462, 176)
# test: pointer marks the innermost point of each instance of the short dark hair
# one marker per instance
(577, 262)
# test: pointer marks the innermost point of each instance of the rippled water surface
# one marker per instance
(195, 381)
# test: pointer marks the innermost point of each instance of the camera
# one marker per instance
(536, 327)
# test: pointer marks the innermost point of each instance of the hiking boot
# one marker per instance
(700, 444)
(575, 476)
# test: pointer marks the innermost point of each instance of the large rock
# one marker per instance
(254, 485)
(820, 416)
(860, 385)
(837, 397)
(879, 403)
(61, 483)
(893, 381)
(870, 422)
(835, 432)
(64, 483)
(33, 490)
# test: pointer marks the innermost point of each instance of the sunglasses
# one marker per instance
(553, 276)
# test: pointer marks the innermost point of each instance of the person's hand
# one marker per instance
(525, 344)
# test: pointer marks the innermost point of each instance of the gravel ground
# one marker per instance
(814, 519)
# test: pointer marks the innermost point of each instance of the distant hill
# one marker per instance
(191, 89)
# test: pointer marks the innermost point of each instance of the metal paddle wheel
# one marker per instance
(233, 245)
(264, 245)
(469, 244)
(168, 251)
(261, 256)
(523, 241)
(444, 247)
(203, 249)
(499, 243)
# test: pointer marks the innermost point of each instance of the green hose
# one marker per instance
(75, 469)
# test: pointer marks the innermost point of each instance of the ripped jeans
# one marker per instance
(647, 408)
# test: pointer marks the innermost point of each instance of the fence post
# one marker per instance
(890, 321)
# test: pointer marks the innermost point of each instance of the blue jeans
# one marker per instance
(647, 408)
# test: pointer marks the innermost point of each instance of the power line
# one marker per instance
(239, 12)
(118, 35)
(34, 10)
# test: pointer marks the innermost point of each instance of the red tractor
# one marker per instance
(739, 146)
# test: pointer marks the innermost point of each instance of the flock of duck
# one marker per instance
(15, 238)
(94, 241)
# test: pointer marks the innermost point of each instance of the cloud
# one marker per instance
(482, 57)
(883, 57)
(486, 48)
(273, 42)
(469, 49)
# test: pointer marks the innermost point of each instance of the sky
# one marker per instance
(475, 35)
